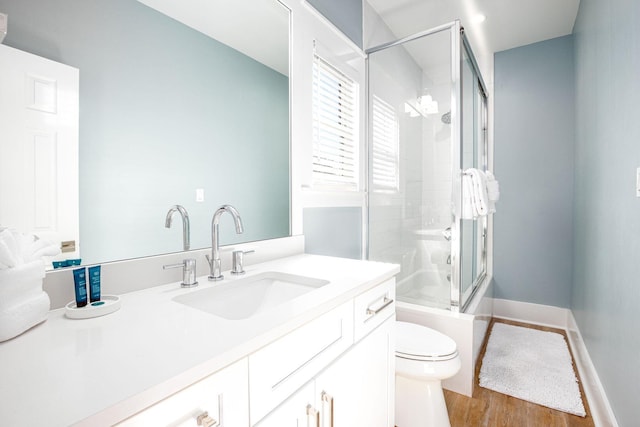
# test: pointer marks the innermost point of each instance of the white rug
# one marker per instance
(531, 365)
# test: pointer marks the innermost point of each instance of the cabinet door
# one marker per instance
(223, 396)
(358, 389)
(297, 411)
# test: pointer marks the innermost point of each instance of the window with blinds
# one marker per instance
(335, 128)
(385, 146)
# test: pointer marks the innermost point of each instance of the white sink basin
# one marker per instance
(244, 298)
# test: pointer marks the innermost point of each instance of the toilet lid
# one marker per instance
(419, 342)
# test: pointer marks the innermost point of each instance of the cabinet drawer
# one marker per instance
(279, 369)
(373, 307)
(223, 396)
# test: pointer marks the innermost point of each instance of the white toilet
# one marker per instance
(424, 358)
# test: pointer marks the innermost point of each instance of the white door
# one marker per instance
(39, 104)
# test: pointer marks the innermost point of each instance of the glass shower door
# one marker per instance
(410, 164)
(474, 155)
(427, 124)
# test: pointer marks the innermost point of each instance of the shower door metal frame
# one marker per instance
(458, 43)
(456, 296)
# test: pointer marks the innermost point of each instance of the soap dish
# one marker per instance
(107, 304)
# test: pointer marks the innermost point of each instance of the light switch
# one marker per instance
(199, 194)
(638, 182)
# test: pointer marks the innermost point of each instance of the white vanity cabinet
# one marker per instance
(219, 400)
(357, 388)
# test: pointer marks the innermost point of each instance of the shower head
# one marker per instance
(446, 118)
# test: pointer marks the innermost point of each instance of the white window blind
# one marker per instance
(335, 128)
(385, 150)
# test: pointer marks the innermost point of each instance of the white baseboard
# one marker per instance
(562, 318)
(601, 410)
(537, 314)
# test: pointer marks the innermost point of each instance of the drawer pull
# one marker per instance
(327, 398)
(314, 415)
(205, 420)
(386, 302)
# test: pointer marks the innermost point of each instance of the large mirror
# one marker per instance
(180, 102)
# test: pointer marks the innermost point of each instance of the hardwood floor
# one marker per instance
(488, 408)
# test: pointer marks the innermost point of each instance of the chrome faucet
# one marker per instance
(214, 260)
(186, 233)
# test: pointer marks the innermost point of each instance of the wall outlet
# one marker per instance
(200, 194)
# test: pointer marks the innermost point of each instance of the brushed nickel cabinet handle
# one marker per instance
(313, 414)
(205, 420)
(386, 302)
(327, 398)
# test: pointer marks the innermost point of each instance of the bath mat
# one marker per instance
(532, 365)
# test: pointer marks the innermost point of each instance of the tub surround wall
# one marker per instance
(607, 212)
(534, 134)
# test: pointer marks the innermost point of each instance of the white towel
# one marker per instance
(21, 283)
(17, 248)
(7, 258)
(18, 318)
(480, 198)
(10, 254)
(493, 191)
(468, 206)
(474, 194)
(493, 188)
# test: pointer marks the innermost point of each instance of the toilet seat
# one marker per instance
(416, 342)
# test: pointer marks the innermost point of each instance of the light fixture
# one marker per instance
(479, 18)
(428, 105)
(408, 108)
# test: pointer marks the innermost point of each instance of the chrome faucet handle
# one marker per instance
(237, 258)
(188, 272)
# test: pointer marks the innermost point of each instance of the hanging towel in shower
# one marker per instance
(493, 191)
(468, 208)
(474, 194)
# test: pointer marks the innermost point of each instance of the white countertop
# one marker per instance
(101, 370)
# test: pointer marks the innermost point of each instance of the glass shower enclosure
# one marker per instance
(427, 125)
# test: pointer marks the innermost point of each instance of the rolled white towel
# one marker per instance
(20, 283)
(42, 248)
(24, 315)
(7, 258)
(10, 250)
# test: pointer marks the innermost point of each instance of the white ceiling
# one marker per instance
(508, 24)
(257, 28)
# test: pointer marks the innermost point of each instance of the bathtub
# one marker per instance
(467, 329)
(423, 287)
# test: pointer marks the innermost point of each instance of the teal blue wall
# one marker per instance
(333, 231)
(534, 141)
(344, 14)
(163, 110)
(606, 287)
